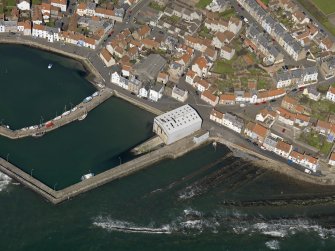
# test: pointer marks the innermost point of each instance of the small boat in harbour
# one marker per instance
(82, 117)
(38, 134)
(87, 176)
(95, 94)
(49, 66)
(57, 118)
(74, 109)
(87, 99)
(66, 113)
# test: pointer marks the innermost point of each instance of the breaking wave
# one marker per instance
(284, 228)
(4, 181)
(273, 245)
(128, 227)
(193, 222)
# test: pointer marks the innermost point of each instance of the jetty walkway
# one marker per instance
(67, 117)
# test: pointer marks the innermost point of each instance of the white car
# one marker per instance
(308, 171)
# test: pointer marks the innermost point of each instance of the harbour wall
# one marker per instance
(138, 103)
(86, 63)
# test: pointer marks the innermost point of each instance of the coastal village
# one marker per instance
(263, 69)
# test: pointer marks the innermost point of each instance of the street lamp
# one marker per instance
(55, 186)
(120, 160)
(31, 172)
(7, 157)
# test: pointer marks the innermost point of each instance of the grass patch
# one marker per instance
(228, 13)
(156, 6)
(327, 6)
(205, 32)
(262, 84)
(203, 3)
(266, 2)
(319, 15)
(11, 3)
(36, 1)
(222, 67)
(326, 147)
(319, 109)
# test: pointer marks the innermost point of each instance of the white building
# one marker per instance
(156, 92)
(332, 159)
(60, 4)
(331, 94)
(179, 94)
(177, 124)
(23, 5)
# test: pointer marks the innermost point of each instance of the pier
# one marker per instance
(172, 151)
(82, 109)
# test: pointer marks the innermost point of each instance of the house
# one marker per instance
(227, 99)
(332, 159)
(144, 91)
(233, 122)
(256, 132)
(331, 94)
(296, 157)
(24, 27)
(286, 117)
(227, 52)
(218, 6)
(201, 66)
(156, 92)
(106, 57)
(126, 70)
(266, 116)
(62, 4)
(23, 5)
(134, 85)
(190, 76)
(322, 127)
(292, 105)
(310, 162)
(300, 18)
(163, 77)
(177, 124)
(270, 143)
(327, 67)
(302, 120)
(312, 93)
(209, 98)
(179, 94)
(283, 149)
(216, 116)
(201, 84)
(327, 44)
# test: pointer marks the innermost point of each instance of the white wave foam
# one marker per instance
(124, 226)
(283, 228)
(4, 181)
(273, 245)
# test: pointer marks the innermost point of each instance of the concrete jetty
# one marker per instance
(171, 151)
(82, 108)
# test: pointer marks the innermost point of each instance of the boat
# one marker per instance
(87, 99)
(49, 124)
(66, 113)
(58, 117)
(74, 109)
(82, 117)
(87, 176)
(49, 66)
(38, 134)
(95, 94)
